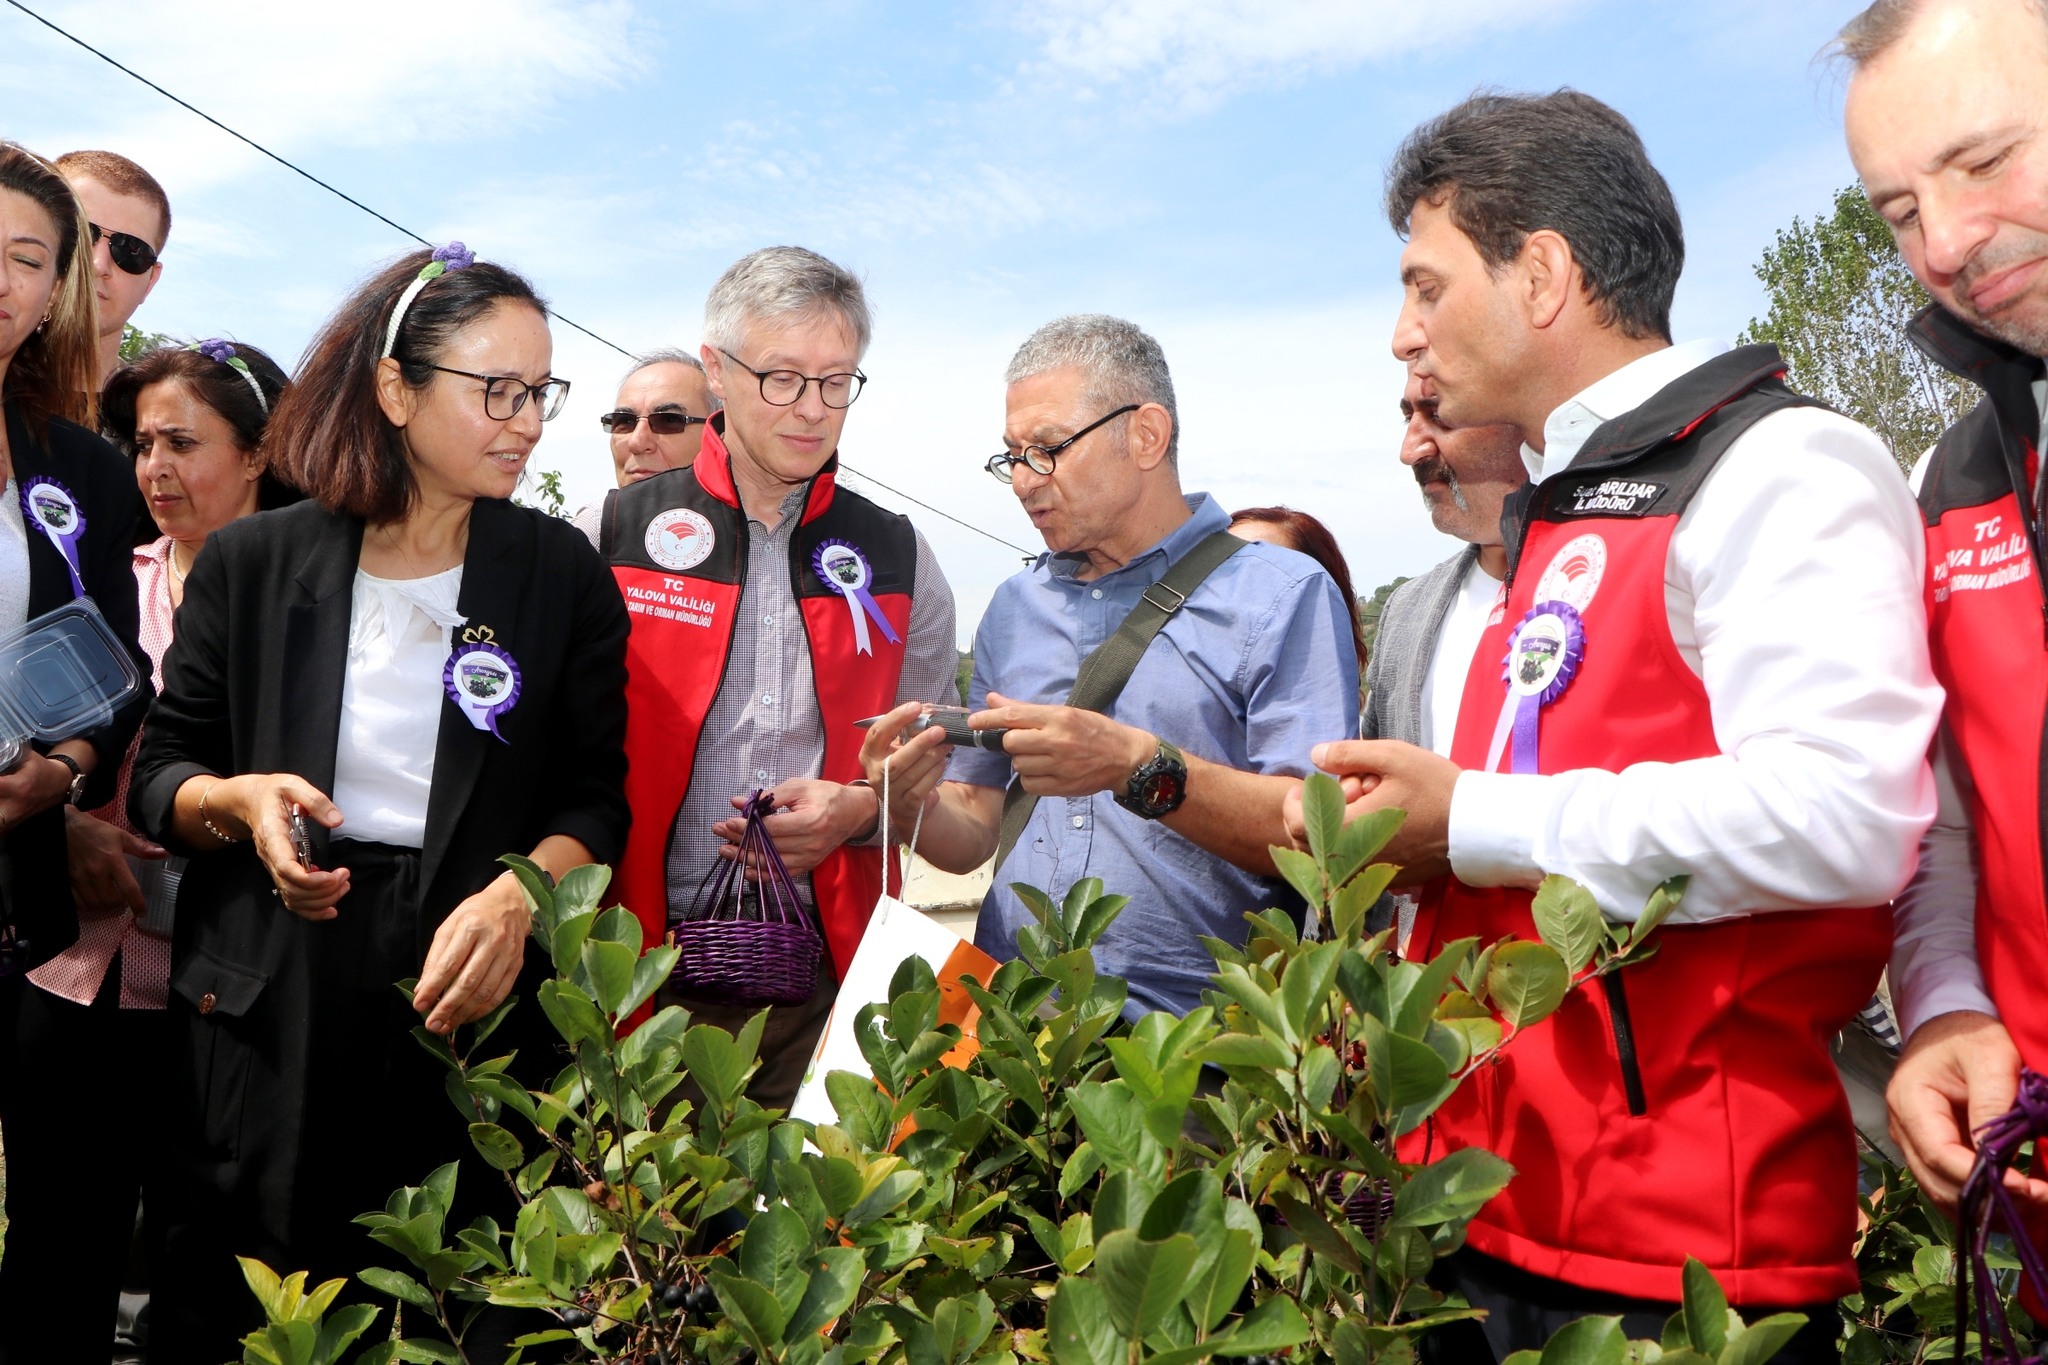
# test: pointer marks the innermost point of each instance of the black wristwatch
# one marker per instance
(77, 791)
(1158, 786)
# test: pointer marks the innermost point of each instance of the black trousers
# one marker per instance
(1523, 1311)
(82, 1097)
(377, 1117)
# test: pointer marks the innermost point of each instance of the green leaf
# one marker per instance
(1271, 1326)
(1213, 1295)
(497, 1146)
(1142, 1281)
(341, 1329)
(1301, 873)
(1588, 1341)
(1078, 1327)
(1705, 1308)
(835, 1279)
(1569, 920)
(1662, 902)
(1451, 1189)
(960, 1325)
(1114, 1123)
(609, 967)
(399, 1286)
(774, 1252)
(571, 1012)
(1245, 1049)
(751, 1308)
(1762, 1339)
(424, 1352)
(1362, 840)
(1321, 1236)
(1414, 997)
(1526, 982)
(649, 972)
(1405, 1072)
(264, 1283)
(715, 1062)
(1322, 812)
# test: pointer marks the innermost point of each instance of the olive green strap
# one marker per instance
(1105, 671)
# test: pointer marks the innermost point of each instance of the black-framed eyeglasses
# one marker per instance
(1045, 459)
(783, 387)
(667, 422)
(506, 394)
(128, 251)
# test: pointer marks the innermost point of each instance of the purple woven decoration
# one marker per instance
(1987, 1207)
(746, 941)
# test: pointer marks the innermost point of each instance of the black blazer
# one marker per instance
(35, 882)
(253, 681)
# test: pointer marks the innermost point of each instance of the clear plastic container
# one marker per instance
(60, 674)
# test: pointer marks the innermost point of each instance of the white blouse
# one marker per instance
(398, 644)
(13, 559)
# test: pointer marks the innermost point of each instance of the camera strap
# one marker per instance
(1109, 666)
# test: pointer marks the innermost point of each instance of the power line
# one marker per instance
(403, 230)
(296, 170)
(1028, 554)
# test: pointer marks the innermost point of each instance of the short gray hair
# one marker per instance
(669, 355)
(1121, 361)
(1873, 32)
(779, 283)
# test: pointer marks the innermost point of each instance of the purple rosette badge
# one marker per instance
(846, 571)
(1544, 653)
(51, 508)
(482, 680)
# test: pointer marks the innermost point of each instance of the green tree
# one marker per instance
(135, 341)
(1840, 300)
(1369, 609)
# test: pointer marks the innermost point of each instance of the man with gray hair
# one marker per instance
(771, 609)
(1171, 792)
(657, 423)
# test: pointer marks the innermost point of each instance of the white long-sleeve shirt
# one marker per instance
(1793, 587)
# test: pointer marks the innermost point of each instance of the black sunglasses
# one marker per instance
(670, 422)
(129, 252)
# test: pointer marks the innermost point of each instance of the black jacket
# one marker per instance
(253, 684)
(35, 883)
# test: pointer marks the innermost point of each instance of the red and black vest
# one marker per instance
(1687, 1105)
(678, 544)
(1988, 633)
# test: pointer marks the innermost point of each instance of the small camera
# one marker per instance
(953, 720)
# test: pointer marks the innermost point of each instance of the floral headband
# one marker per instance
(217, 349)
(454, 256)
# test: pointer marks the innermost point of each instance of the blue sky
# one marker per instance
(1208, 168)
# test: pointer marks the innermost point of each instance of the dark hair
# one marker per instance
(216, 384)
(328, 435)
(55, 373)
(122, 176)
(1312, 538)
(1510, 165)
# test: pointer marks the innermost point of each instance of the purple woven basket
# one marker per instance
(1988, 1208)
(745, 941)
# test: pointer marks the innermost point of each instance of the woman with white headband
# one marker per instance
(433, 676)
(88, 1032)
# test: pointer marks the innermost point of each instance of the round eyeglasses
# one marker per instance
(506, 394)
(783, 387)
(1044, 459)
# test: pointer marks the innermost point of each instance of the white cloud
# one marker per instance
(1194, 52)
(372, 73)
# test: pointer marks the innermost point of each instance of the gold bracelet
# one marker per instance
(211, 828)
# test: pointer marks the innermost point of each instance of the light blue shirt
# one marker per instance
(1254, 670)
